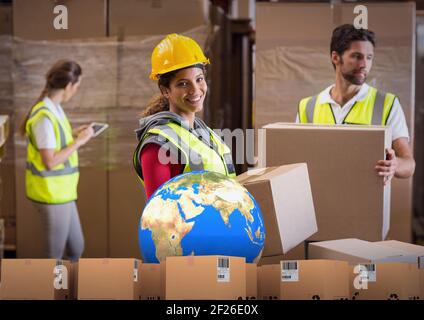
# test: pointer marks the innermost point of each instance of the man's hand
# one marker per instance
(387, 168)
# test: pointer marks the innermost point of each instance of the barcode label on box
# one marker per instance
(135, 270)
(289, 271)
(368, 272)
(223, 270)
(421, 262)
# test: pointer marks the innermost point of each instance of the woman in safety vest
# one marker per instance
(172, 140)
(51, 176)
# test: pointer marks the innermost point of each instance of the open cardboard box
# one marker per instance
(285, 200)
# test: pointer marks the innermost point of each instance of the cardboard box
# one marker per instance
(269, 277)
(357, 251)
(86, 19)
(5, 18)
(284, 197)
(385, 281)
(146, 17)
(348, 203)
(150, 275)
(251, 281)
(413, 249)
(187, 277)
(109, 279)
(35, 279)
(304, 280)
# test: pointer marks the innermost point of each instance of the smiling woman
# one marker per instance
(170, 135)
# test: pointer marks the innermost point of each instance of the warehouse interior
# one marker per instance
(265, 56)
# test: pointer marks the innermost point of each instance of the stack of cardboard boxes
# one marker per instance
(336, 270)
(192, 277)
(347, 269)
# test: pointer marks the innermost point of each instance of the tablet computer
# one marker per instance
(99, 128)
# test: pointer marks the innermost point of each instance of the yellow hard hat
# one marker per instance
(175, 52)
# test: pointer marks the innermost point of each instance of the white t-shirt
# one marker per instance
(43, 130)
(396, 120)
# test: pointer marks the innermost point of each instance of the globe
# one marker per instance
(201, 213)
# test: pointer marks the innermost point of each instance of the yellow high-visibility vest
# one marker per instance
(374, 109)
(197, 154)
(58, 185)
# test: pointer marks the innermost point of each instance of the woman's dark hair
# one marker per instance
(345, 34)
(159, 102)
(58, 77)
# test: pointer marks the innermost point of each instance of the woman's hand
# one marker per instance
(77, 130)
(84, 135)
(51, 158)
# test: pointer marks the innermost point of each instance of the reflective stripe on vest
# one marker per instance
(49, 173)
(373, 109)
(212, 158)
(58, 185)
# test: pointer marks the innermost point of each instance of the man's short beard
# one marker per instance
(351, 77)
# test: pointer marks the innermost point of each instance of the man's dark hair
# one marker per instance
(345, 34)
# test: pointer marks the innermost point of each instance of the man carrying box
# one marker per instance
(351, 101)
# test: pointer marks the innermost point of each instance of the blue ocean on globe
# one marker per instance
(201, 213)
